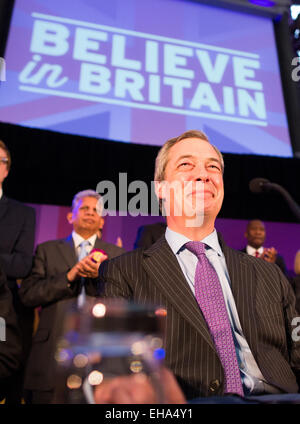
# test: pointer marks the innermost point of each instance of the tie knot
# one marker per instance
(196, 247)
(82, 253)
(84, 244)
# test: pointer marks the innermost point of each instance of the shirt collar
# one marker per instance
(1, 192)
(78, 239)
(177, 241)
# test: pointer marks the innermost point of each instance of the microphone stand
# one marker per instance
(267, 186)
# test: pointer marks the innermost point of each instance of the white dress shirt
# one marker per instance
(251, 250)
(77, 239)
(252, 378)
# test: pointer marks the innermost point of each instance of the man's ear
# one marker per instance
(159, 190)
(70, 217)
(101, 223)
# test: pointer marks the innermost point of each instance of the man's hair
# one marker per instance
(162, 157)
(4, 147)
(251, 222)
(82, 194)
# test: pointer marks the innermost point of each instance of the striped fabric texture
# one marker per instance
(265, 304)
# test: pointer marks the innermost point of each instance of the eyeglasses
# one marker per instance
(4, 160)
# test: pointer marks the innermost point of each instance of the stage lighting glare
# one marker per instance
(74, 382)
(295, 10)
(262, 3)
(138, 348)
(136, 366)
(95, 378)
(80, 360)
(99, 310)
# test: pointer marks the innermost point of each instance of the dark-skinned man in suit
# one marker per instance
(256, 235)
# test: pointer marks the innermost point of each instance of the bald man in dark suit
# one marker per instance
(17, 232)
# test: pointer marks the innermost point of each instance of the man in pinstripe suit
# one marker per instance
(259, 300)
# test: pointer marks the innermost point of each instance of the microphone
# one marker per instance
(260, 185)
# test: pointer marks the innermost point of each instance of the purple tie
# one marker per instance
(209, 295)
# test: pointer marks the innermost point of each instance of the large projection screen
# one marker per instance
(141, 71)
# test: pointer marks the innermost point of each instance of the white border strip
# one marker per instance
(141, 106)
(143, 35)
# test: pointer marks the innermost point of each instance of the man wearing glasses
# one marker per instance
(17, 230)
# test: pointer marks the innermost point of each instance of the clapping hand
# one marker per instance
(86, 268)
(269, 255)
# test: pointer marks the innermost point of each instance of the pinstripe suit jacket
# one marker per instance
(264, 300)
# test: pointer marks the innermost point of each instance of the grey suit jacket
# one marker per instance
(264, 300)
(47, 286)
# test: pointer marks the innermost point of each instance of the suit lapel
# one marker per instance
(162, 267)
(243, 286)
(67, 250)
(164, 270)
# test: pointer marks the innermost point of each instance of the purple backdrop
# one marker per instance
(52, 224)
(131, 70)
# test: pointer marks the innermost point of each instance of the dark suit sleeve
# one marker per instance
(18, 263)
(143, 238)
(292, 320)
(91, 285)
(10, 338)
(296, 327)
(295, 282)
(148, 234)
(45, 285)
(112, 282)
(280, 262)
